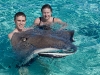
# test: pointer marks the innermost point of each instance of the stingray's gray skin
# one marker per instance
(47, 43)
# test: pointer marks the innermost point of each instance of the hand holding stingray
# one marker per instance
(47, 43)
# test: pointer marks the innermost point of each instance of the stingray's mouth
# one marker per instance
(47, 52)
(55, 53)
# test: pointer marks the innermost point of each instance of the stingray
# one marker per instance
(32, 43)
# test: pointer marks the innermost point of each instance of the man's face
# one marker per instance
(20, 22)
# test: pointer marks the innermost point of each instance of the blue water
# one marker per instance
(83, 16)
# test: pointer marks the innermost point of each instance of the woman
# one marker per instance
(46, 20)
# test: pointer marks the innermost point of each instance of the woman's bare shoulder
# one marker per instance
(57, 20)
(37, 21)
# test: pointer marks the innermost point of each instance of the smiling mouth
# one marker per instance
(21, 26)
(53, 52)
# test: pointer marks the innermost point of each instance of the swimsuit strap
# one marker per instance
(40, 20)
(53, 19)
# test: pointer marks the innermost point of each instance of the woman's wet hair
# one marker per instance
(46, 6)
(19, 14)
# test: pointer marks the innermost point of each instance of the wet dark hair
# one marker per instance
(19, 14)
(46, 6)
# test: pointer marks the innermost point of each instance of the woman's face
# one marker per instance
(46, 13)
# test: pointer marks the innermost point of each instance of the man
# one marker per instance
(20, 21)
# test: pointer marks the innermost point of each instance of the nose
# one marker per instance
(21, 22)
(45, 13)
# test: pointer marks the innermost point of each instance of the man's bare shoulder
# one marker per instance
(11, 34)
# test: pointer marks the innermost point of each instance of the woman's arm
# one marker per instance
(57, 20)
